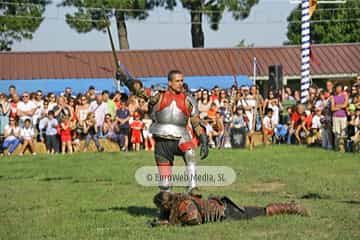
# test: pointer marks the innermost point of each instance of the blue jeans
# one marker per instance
(326, 138)
(93, 137)
(289, 138)
(11, 144)
(117, 138)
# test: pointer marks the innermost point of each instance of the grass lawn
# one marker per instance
(95, 196)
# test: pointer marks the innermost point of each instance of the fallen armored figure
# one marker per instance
(187, 209)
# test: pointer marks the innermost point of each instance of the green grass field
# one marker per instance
(95, 196)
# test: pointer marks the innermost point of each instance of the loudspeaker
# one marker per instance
(275, 78)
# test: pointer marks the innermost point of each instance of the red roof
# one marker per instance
(332, 58)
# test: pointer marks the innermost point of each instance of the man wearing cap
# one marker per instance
(172, 110)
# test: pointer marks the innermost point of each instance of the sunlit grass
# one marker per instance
(95, 196)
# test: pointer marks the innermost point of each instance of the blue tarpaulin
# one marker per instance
(58, 85)
(82, 84)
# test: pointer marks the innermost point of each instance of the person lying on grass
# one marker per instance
(186, 209)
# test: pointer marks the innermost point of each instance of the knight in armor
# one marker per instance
(186, 209)
(174, 113)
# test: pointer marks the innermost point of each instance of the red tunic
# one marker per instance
(180, 100)
(136, 127)
(65, 133)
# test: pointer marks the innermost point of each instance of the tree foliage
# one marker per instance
(331, 23)
(94, 14)
(214, 11)
(243, 44)
(19, 20)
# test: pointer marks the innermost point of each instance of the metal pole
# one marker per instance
(254, 69)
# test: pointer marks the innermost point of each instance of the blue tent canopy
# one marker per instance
(82, 84)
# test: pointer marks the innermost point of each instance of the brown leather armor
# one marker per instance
(186, 209)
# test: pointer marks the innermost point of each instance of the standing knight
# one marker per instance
(172, 110)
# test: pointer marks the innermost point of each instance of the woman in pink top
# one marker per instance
(339, 103)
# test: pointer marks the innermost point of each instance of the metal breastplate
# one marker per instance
(170, 122)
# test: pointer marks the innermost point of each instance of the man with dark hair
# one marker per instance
(184, 209)
(122, 119)
(12, 91)
(91, 93)
(172, 110)
(68, 93)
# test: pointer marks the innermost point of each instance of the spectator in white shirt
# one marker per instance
(27, 136)
(38, 102)
(316, 119)
(315, 133)
(248, 103)
(12, 136)
(25, 109)
(99, 108)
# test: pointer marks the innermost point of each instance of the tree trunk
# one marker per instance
(197, 33)
(122, 31)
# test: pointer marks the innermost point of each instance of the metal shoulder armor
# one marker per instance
(192, 101)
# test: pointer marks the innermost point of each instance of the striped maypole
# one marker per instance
(305, 50)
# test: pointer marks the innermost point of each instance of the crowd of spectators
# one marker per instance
(233, 117)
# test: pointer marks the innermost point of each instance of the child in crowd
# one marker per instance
(27, 134)
(356, 137)
(353, 129)
(212, 111)
(226, 114)
(136, 127)
(148, 139)
(65, 135)
(315, 134)
(209, 130)
(110, 129)
(325, 130)
(239, 119)
(12, 136)
(268, 128)
(75, 141)
(302, 130)
(91, 130)
(51, 137)
(238, 126)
